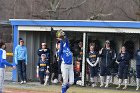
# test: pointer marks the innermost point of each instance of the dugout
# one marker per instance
(36, 31)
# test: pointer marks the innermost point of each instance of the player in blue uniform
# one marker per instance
(137, 56)
(3, 63)
(67, 61)
(59, 63)
(123, 61)
(93, 61)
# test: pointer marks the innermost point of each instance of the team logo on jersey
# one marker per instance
(67, 51)
(42, 65)
(92, 56)
(110, 51)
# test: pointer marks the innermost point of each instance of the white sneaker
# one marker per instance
(94, 85)
(125, 87)
(118, 86)
(24, 81)
(101, 85)
(106, 86)
(137, 88)
(45, 83)
(21, 82)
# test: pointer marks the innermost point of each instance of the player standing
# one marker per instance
(123, 61)
(67, 64)
(107, 55)
(3, 64)
(93, 61)
(138, 68)
(43, 69)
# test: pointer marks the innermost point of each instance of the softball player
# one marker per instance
(93, 60)
(137, 68)
(59, 63)
(43, 69)
(3, 63)
(123, 61)
(67, 64)
(107, 55)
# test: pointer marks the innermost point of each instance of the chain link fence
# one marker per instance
(130, 41)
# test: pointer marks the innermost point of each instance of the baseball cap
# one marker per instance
(107, 41)
(43, 44)
(20, 39)
(43, 55)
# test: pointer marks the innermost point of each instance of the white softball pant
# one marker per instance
(67, 74)
(2, 72)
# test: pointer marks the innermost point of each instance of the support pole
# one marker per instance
(83, 61)
(15, 43)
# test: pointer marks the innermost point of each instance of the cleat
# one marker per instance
(118, 87)
(24, 82)
(137, 88)
(101, 85)
(125, 87)
(21, 82)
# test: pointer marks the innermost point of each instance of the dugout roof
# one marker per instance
(72, 25)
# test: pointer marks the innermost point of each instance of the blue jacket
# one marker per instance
(64, 52)
(20, 54)
(3, 60)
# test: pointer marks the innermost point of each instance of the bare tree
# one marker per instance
(129, 8)
(99, 10)
(56, 7)
(71, 9)
(138, 11)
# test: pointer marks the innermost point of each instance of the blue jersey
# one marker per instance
(3, 61)
(64, 52)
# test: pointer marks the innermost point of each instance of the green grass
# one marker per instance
(73, 89)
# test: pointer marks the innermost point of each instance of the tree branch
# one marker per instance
(137, 2)
(72, 7)
(58, 4)
(123, 11)
(54, 6)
